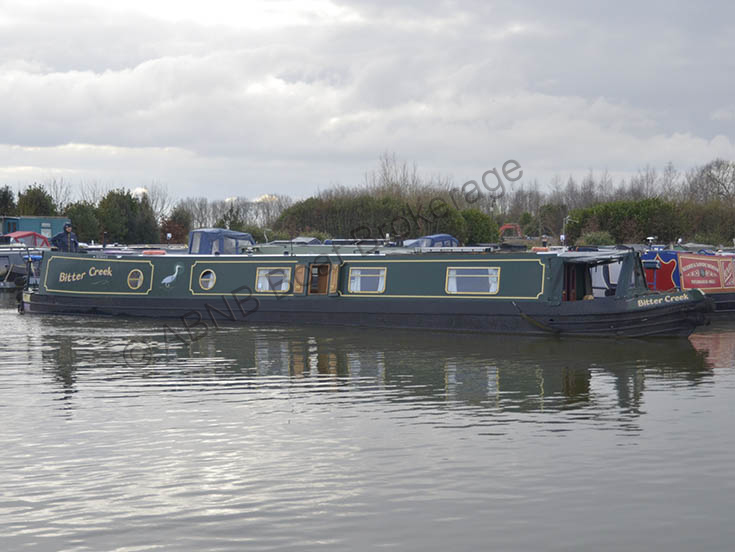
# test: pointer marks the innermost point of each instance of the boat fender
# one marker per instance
(154, 252)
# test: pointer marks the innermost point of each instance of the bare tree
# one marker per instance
(587, 191)
(605, 186)
(669, 183)
(160, 200)
(60, 191)
(571, 194)
(715, 180)
(265, 210)
(718, 176)
(200, 209)
(92, 191)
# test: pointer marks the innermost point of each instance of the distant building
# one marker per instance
(46, 226)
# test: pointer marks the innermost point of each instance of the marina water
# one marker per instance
(118, 435)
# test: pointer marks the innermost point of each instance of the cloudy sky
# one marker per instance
(223, 98)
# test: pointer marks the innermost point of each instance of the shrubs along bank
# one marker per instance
(712, 222)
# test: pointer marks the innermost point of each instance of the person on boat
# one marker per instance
(66, 240)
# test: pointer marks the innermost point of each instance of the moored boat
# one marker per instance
(472, 290)
(678, 270)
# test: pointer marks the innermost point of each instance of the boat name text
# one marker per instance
(661, 300)
(93, 272)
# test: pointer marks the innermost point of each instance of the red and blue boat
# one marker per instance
(679, 270)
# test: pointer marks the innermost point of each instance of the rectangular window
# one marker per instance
(230, 246)
(367, 280)
(195, 243)
(273, 280)
(473, 280)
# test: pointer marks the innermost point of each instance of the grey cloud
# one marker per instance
(453, 85)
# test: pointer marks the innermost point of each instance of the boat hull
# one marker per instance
(607, 318)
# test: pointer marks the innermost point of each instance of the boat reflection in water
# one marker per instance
(487, 373)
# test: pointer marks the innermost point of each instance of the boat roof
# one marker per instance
(224, 232)
(299, 240)
(590, 257)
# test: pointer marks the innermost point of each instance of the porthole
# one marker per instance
(135, 279)
(207, 279)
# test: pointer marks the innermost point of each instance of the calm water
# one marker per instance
(117, 436)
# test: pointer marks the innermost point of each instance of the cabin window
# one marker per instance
(367, 280)
(230, 246)
(273, 280)
(135, 279)
(473, 280)
(195, 242)
(207, 279)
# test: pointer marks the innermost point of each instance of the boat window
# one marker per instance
(601, 284)
(473, 280)
(135, 279)
(272, 280)
(207, 279)
(195, 242)
(230, 246)
(367, 280)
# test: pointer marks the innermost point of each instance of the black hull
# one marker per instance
(724, 305)
(599, 318)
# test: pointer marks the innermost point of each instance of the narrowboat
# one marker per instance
(677, 270)
(18, 266)
(470, 290)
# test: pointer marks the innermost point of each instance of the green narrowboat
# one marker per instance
(469, 290)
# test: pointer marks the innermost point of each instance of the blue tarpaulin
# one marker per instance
(208, 241)
(435, 240)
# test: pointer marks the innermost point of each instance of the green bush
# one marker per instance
(83, 216)
(600, 237)
(481, 228)
(35, 201)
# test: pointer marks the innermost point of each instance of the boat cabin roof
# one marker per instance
(205, 241)
(591, 257)
(433, 240)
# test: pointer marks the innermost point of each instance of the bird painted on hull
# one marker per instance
(169, 280)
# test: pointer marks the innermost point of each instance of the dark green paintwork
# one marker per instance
(522, 276)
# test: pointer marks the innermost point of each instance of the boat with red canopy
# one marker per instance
(27, 238)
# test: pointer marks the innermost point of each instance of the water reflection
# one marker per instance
(8, 300)
(489, 373)
(717, 343)
(315, 439)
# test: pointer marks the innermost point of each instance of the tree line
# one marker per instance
(144, 216)
(119, 216)
(697, 205)
(396, 199)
